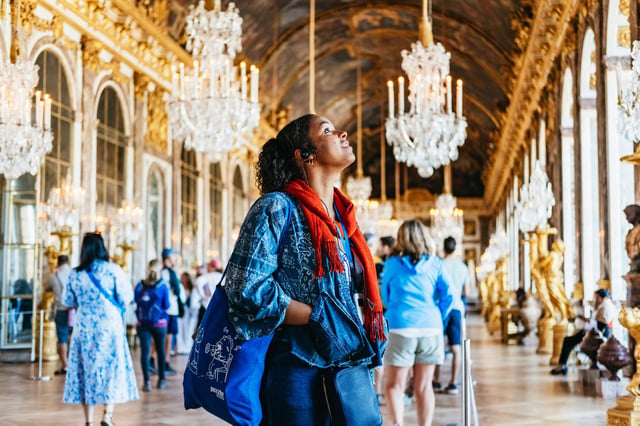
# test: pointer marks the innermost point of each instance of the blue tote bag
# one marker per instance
(224, 372)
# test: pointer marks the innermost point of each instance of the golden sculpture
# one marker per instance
(535, 241)
(499, 296)
(551, 266)
(630, 319)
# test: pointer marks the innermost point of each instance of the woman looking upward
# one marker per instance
(297, 264)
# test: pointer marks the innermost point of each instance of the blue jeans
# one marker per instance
(146, 333)
(292, 392)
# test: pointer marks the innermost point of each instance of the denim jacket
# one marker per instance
(273, 262)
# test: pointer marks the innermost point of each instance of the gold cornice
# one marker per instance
(531, 70)
(115, 24)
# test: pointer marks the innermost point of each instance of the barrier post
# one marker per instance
(40, 377)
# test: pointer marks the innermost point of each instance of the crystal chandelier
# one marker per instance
(129, 224)
(25, 134)
(446, 220)
(428, 136)
(62, 206)
(629, 98)
(209, 107)
(536, 201)
(368, 212)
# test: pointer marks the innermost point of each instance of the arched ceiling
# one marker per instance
(478, 34)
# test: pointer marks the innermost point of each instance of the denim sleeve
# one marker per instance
(257, 302)
(445, 296)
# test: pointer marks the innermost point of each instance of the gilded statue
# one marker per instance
(483, 289)
(632, 240)
(630, 319)
(551, 268)
(493, 310)
(538, 277)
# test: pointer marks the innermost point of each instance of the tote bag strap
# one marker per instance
(109, 297)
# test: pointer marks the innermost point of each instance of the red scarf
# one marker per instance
(323, 236)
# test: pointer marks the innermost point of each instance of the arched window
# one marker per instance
(590, 208)
(53, 81)
(215, 210)
(111, 145)
(189, 205)
(155, 215)
(620, 179)
(568, 182)
(238, 201)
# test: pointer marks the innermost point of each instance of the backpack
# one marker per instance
(148, 310)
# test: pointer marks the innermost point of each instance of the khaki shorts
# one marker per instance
(407, 351)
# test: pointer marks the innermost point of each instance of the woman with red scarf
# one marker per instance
(297, 266)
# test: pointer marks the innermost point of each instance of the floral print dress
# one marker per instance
(99, 370)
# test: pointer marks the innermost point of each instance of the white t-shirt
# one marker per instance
(206, 285)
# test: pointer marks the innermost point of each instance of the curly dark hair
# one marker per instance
(276, 165)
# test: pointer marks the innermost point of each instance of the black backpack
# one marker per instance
(148, 309)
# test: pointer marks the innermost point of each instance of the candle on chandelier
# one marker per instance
(181, 82)
(39, 109)
(400, 95)
(255, 72)
(390, 86)
(436, 91)
(47, 112)
(196, 79)
(619, 81)
(243, 79)
(459, 98)
(449, 95)
(419, 94)
(213, 81)
(174, 81)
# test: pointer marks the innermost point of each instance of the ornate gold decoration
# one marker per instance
(623, 36)
(135, 38)
(157, 121)
(630, 319)
(624, 7)
(539, 45)
(90, 54)
(156, 10)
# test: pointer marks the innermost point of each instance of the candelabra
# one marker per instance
(536, 201)
(25, 115)
(128, 230)
(59, 215)
(446, 220)
(428, 136)
(208, 107)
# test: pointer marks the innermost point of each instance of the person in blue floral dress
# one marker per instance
(100, 370)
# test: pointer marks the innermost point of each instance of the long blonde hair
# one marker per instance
(153, 272)
(413, 240)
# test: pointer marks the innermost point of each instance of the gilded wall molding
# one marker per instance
(157, 121)
(544, 37)
(128, 31)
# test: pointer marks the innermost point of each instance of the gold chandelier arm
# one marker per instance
(359, 172)
(15, 45)
(312, 57)
(426, 26)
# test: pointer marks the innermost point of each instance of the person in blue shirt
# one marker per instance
(418, 298)
(457, 275)
(298, 262)
(152, 300)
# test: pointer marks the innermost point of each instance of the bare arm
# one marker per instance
(297, 313)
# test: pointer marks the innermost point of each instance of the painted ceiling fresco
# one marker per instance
(477, 33)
